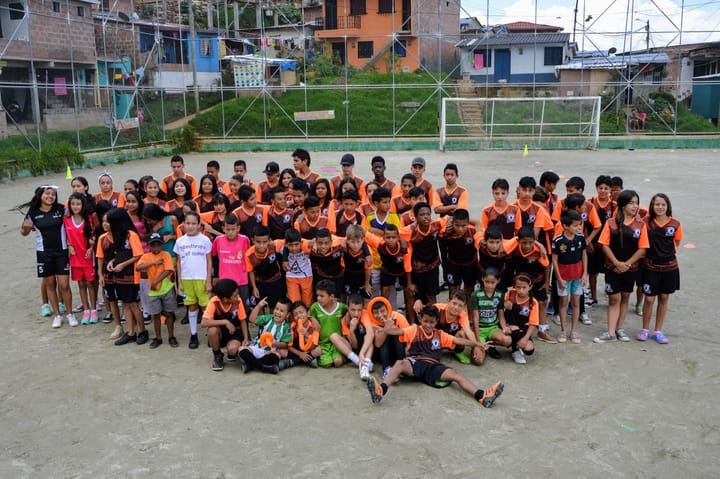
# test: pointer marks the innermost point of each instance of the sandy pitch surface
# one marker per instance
(74, 405)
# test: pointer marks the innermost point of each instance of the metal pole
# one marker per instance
(647, 36)
(193, 55)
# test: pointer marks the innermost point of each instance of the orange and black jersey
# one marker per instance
(248, 220)
(427, 187)
(264, 196)
(278, 222)
(309, 230)
(508, 220)
(205, 205)
(343, 221)
(304, 335)
(235, 202)
(605, 210)
(215, 310)
(533, 263)
(214, 220)
(423, 245)
(400, 205)
(422, 346)
(355, 261)
(266, 266)
(488, 259)
(460, 250)
(523, 313)
(625, 240)
(591, 220)
(663, 239)
(395, 261)
(443, 196)
(329, 265)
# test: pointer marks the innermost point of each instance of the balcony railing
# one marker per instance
(338, 23)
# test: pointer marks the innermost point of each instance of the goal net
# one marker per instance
(510, 123)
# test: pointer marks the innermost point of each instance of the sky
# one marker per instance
(601, 24)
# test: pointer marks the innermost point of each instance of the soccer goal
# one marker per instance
(508, 123)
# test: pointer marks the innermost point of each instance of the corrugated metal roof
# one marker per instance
(614, 62)
(514, 39)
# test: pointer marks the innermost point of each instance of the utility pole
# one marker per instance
(647, 36)
(193, 55)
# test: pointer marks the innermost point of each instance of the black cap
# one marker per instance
(155, 238)
(347, 159)
(418, 160)
(271, 167)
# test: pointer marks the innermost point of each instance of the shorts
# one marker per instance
(596, 260)
(539, 293)
(109, 292)
(660, 282)
(272, 290)
(427, 283)
(621, 282)
(573, 287)
(82, 273)
(51, 263)
(127, 293)
(390, 280)
(226, 337)
(427, 372)
(329, 353)
(353, 284)
(485, 334)
(456, 275)
(166, 303)
(195, 293)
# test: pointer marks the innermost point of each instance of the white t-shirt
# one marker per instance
(192, 251)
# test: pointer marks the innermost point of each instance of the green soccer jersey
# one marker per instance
(487, 307)
(329, 320)
(281, 332)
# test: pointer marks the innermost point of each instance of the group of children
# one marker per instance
(315, 265)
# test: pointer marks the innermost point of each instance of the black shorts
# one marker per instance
(226, 337)
(127, 293)
(660, 282)
(353, 284)
(51, 263)
(339, 284)
(539, 293)
(621, 283)
(596, 260)
(389, 280)
(273, 291)
(456, 275)
(427, 372)
(427, 283)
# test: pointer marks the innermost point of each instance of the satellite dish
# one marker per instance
(123, 17)
(612, 51)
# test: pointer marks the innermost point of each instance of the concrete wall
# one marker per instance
(178, 80)
(585, 83)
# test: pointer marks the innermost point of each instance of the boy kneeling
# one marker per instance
(425, 344)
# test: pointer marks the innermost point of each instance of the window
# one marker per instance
(365, 49)
(399, 48)
(357, 7)
(205, 47)
(553, 55)
(386, 6)
(486, 58)
(81, 11)
(17, 11)
(56, 7)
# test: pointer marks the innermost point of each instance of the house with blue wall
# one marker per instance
(514, 58)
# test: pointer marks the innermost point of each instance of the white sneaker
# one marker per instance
(585, 318)
(556, 319)
(71, 320)
(519, 357)
(365, 370)
(57, 322)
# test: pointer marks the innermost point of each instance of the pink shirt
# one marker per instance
(231, 258)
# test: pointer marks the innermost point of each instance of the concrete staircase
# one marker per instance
(471, 113)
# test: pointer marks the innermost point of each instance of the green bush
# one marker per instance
(52, 159)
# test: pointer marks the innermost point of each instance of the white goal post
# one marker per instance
(504, 123)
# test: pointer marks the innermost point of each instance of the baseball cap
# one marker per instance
(347, 159)
(271, 167)
(155, 238)
(418, 160)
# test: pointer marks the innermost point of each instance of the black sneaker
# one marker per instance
(217, 364)
(230, 358)
(248, 359)
(142, 337)
(493, 353)
(271, 369)
(122, 317)
(155, 343)
(173, 342)
(124, 339)
(194, 343)
(186, 319)
(108, 318)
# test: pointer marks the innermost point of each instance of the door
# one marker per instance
(502, 65)
(339, 50)
(406, 14)
(331, 10)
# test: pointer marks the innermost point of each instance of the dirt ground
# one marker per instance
(74, 405)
